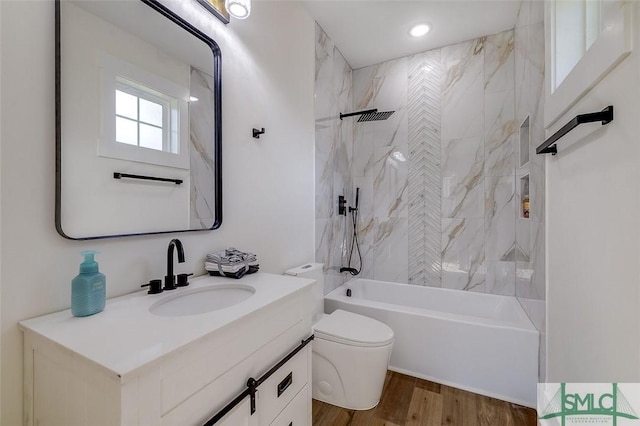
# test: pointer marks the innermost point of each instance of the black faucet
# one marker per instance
(170, 279)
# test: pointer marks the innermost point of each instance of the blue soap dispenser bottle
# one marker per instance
(88, 288)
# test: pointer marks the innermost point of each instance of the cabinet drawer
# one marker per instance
(202, 363)
(201, 406)
(279, 389)
(298, 412)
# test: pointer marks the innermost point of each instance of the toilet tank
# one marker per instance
(312, 271)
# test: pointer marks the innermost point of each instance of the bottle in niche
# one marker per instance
(88, 289)
(525, 207)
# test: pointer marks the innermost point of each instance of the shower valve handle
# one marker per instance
(342, 203)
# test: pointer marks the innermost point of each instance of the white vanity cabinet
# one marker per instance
(113, 369)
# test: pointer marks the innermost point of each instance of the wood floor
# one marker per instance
(410, 401)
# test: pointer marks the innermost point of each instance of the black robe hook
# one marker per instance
(257, 133)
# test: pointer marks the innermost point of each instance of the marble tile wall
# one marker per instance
(529, 102)
(334, 140)
(202, 192)
(499, 143)
(380, 169)
(478, 165)
(463, 166)
(437, 179)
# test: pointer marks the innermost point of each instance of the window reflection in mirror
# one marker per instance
(143, 117)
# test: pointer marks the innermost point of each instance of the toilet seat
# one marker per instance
(352, 329)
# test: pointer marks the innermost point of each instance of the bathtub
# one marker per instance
(473, 341)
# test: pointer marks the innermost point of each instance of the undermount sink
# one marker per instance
(201, 300)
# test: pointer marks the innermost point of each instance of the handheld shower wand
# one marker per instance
(351, 209)
(354, 241)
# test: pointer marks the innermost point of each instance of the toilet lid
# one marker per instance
(353, 329)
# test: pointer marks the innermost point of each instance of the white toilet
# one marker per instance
(350, 351)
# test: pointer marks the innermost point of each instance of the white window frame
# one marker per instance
(613, 44)
(165, 102)
(115, 72)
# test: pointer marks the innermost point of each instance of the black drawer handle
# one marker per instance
(253, 384)
(283, 385)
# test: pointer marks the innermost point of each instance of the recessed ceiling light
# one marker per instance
(419, 30)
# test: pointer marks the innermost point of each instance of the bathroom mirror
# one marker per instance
(138, 121)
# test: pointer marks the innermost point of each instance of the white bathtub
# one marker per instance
(478, 342)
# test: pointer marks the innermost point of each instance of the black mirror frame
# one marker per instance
(217, 149)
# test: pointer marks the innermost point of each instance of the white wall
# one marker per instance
(268, 78)
(593, 217)
(0, 218)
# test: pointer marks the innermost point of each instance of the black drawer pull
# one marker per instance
(283, 385)
(253, 384)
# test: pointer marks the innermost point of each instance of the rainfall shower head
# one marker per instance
(369, 115)
(375, 116)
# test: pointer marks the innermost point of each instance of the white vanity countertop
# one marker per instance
(126, 336)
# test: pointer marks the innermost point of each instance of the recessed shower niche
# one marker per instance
(524, 142)
(524, 197)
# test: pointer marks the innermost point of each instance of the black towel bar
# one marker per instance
(118, 175)
(605, 117)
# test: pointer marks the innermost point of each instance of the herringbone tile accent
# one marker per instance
(424, 191)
